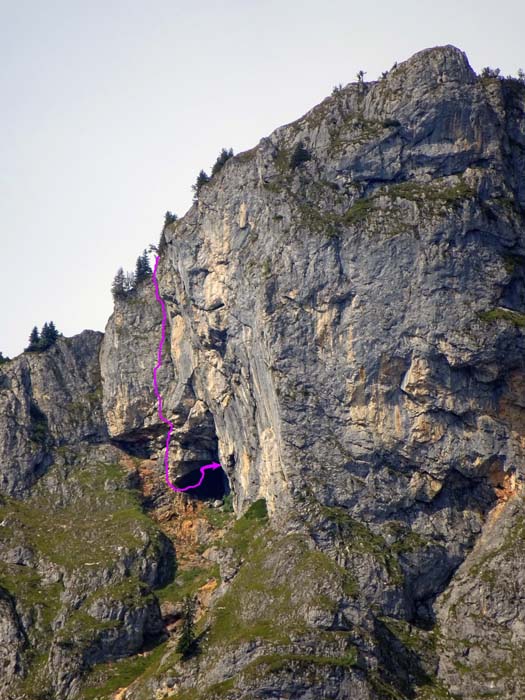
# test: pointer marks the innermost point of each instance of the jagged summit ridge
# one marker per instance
(436, 65)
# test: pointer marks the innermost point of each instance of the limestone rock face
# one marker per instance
(354, 322)
(128, 355)
(48, 400)
(482, 615)
(78, 558)
(11, 636)
(345, 334)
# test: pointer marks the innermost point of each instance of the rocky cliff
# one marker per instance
(346, 305)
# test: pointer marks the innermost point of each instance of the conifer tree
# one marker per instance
(145, 263)
(223, 157)
(489, 72)
(3, 358)
(44, 337)
(139, 270)
(202, 179)
(118, 288)
(187, 643)
(55, 333)
(169, 218)
(34, 340)
(48, 335)
(142, 268)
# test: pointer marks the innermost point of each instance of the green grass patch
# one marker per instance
(500, 314)
(273, 663)
(360, 539)
(25, 585)
(354, 130)
(266, 268)
(105, 679)
(257, 605)
(269, 664)
(422, 642)
(359, 211)
(319, 221)
(211, 692)
(219, 518)
(85, 528)
(187, 582)
(406, 539)
(246, 529)
(246, 156)
(513, 545)
(433, 192)
(88, 528)
(435, 195)
(275, 186)
(130, 591)
(81, 628)
(282, 160)
(281, 577)
(383, 689)
(257, 511)
(227, 503)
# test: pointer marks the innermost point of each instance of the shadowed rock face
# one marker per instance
(345, 335)
(78, 558)
(48, 400)
(11, 636)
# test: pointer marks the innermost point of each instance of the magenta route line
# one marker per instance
(214, 465)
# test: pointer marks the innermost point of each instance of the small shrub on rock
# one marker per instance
(489, 72)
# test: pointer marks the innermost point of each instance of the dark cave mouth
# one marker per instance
(215, 485)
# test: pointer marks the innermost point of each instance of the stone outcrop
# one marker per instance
(128, 354)
(345, 316)
(78, 558)
(481, 613)
(48, 400)
(313, 298)
(354, 322)
(12, 638)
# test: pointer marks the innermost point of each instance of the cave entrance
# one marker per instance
(215, 485)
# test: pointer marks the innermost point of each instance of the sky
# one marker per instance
(110, 109)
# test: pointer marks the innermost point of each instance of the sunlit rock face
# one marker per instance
(353, 324)
(127, 358)
(345, 314)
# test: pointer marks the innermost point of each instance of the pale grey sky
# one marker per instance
(110, 108)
